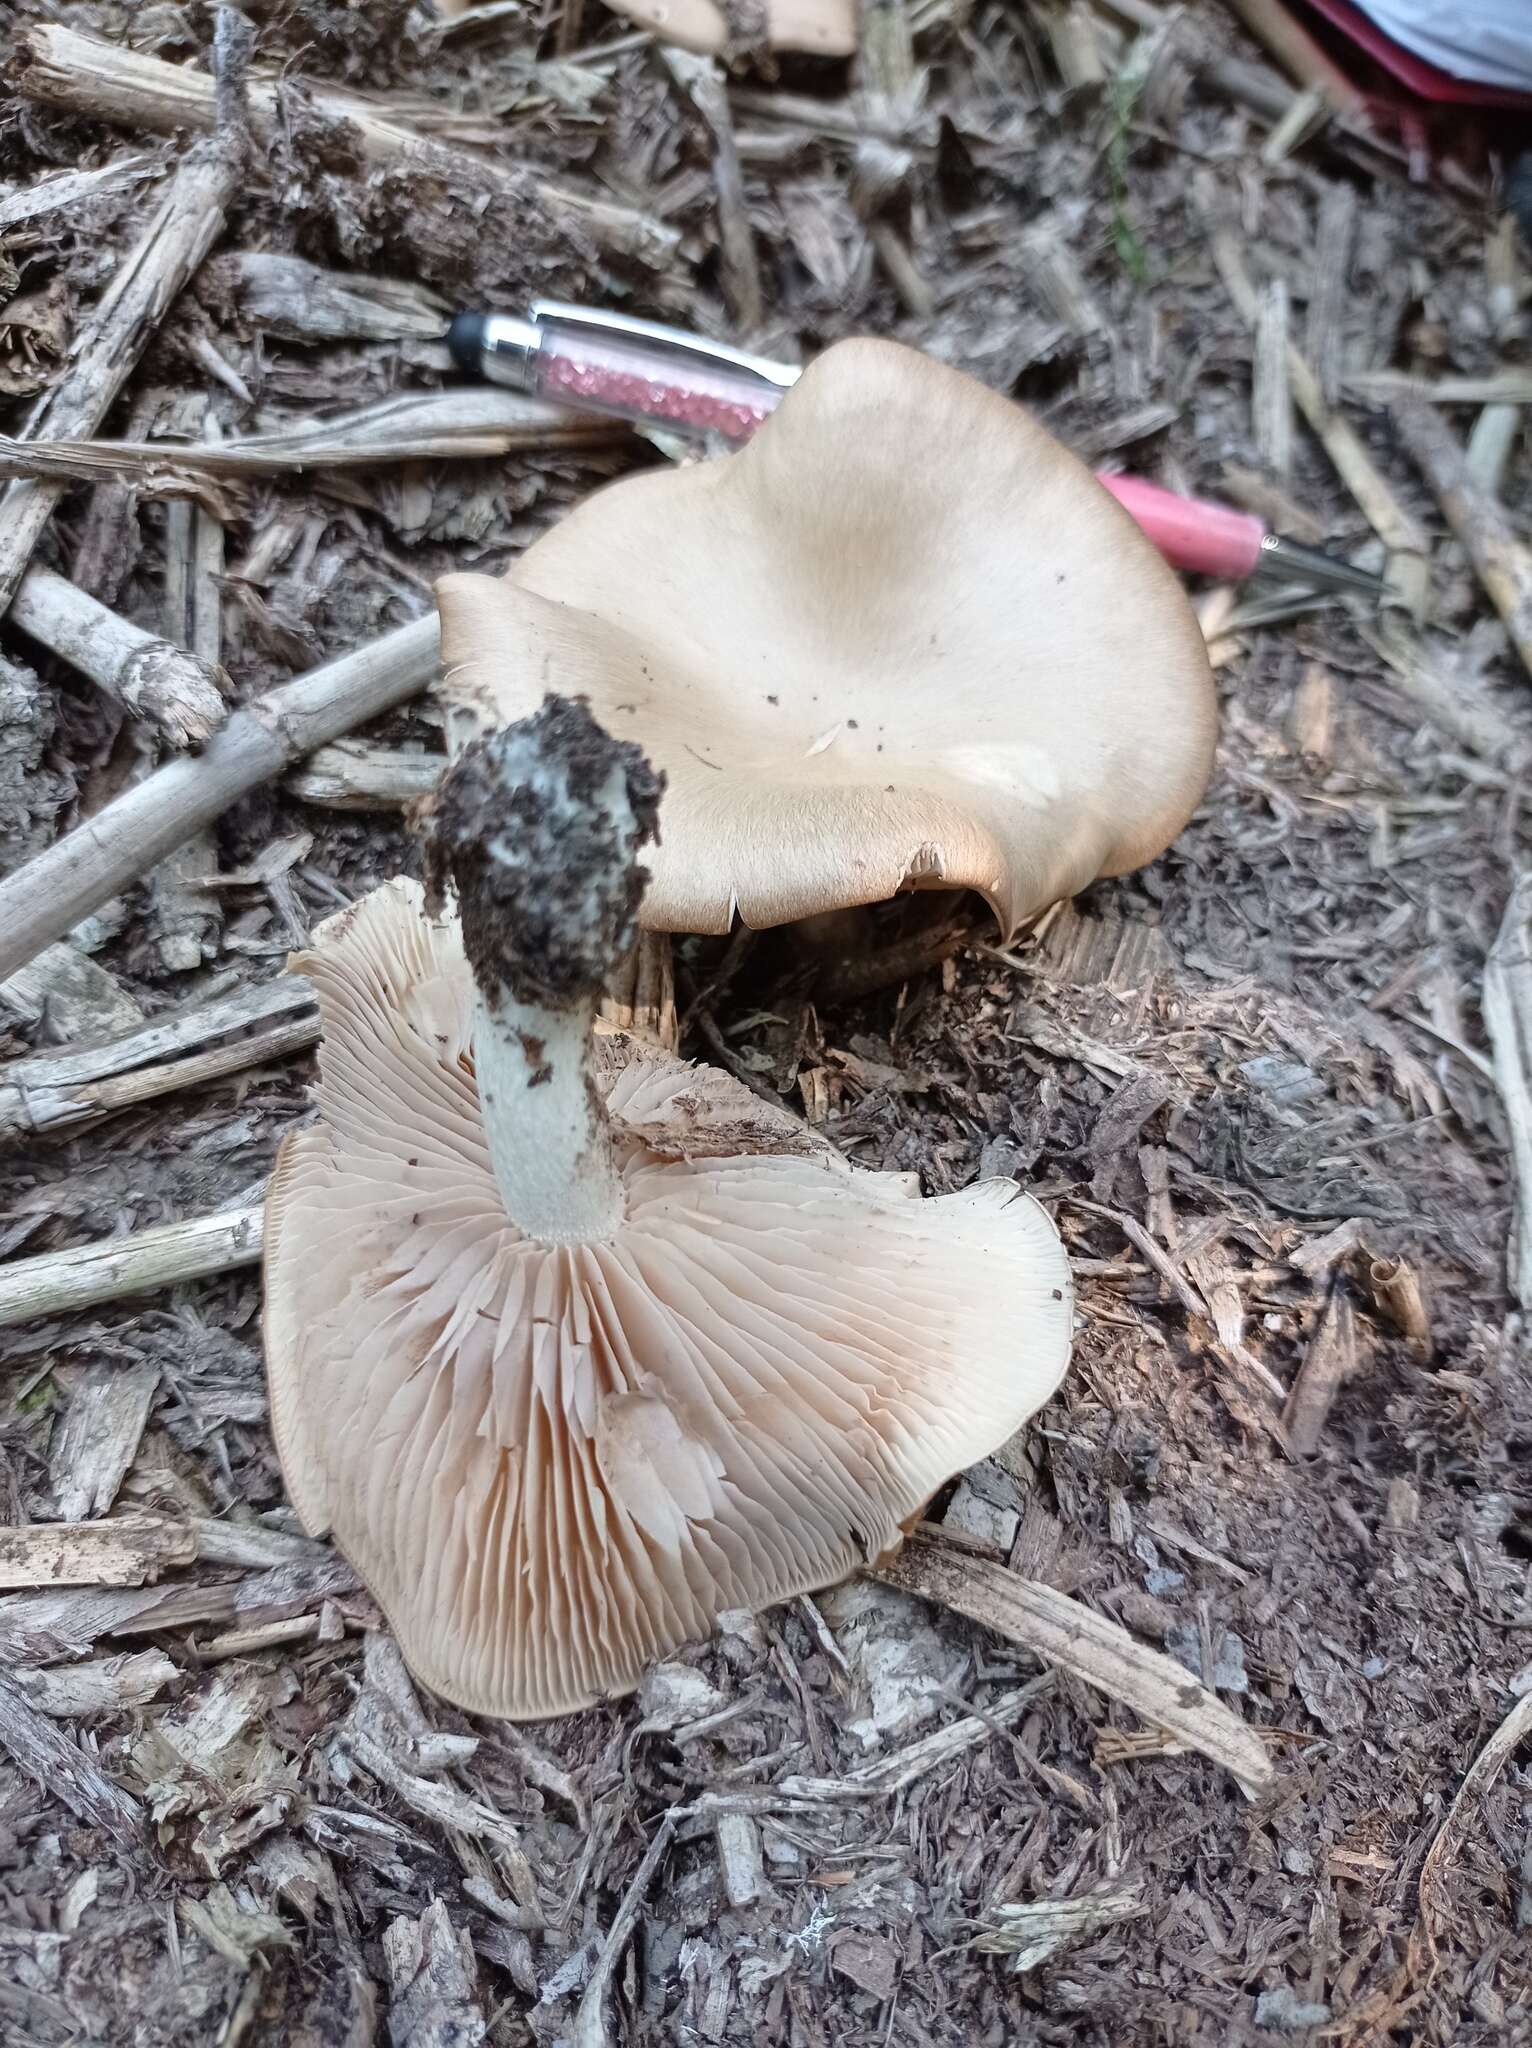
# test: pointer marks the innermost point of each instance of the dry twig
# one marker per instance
(53, 1092)
(88, 1274)
(176, 694)
(417, 426)
(61, 68)
(589, 2029)
(1328, 1364)
(1507, 1004)
(157, 267)
(124, 840)
(1481, 1774)
(1063, 1632)
(1502, 561)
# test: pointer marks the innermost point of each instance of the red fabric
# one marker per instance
(1412, 72)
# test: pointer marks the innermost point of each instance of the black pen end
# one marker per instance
(465, 338)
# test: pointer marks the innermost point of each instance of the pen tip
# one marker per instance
(465, 338)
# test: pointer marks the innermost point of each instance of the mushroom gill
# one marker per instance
(569, 1376)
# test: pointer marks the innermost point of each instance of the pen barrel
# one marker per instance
(620, 375)
(1213, 540)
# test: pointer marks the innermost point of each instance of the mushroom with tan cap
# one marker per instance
(573, 1346)
(902, 639)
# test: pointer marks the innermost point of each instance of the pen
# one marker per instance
(634, 369)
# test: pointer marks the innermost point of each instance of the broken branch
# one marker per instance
(176, 694)
(1501, 560)
(59, 1089)
(88, 1274)
(154, 272)
(419, 426)
(60, 68)
(1063, 1632)
(1507, 1006)
(129, 836)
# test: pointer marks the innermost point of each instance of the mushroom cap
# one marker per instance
(902, 638)
(821, 28)
(553, 1465)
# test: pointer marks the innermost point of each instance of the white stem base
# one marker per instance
(548, 1139)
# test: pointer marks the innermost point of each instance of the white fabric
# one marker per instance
(1486, 40)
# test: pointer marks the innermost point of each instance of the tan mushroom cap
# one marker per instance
(820, 28)
(552, 1465)
(903, 638)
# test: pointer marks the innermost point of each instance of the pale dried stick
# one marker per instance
(1379, 505)
(177, 696)
(357, 775)
(590, 2030)
(188, 923)
(156, 268)
(60, 68)
(1501, 560)
(1299, 55)
(1507, 1009)
(52, 1093)
(1062, 1632)
(69, 188)
(123, 841)
(1490, 444)
(88, 1274)
(1481, 1774)
(416, 426)
(1502, 387)
(702, 80)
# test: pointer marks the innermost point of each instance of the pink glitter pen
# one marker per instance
(612, 363)
(635, 369)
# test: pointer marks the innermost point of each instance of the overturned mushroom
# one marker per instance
(902, 639)
(574, 1346)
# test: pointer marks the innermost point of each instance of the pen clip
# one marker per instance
(674, 340)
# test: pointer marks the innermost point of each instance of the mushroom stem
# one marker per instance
(539, 827)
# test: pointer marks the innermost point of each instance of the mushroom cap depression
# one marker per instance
(903, 638)
(820, 28)
(554, 1464)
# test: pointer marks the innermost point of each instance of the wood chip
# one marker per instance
(101, 1685)
(63, 1769)
(1329, 1362)
(1029, 1932)
(133, 1550)
(434, 1983)
(99, 1437)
